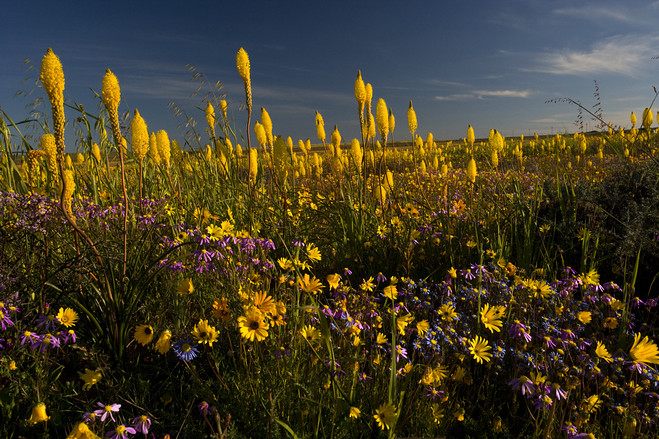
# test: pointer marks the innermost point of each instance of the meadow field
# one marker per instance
(242, 283)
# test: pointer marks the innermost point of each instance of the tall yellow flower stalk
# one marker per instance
(111, 96)
(139, 141)
(253, 164)
(392, 123)
(471, 137)
(369, 126)
(153, 149)
(360, 97)
(261, 136)
(49, 146)
(164, 147)
(96, 152)
(224, 106)
(357, 154)
(210, 119)
(52, 78)
(648, 116)
(382, 119)
(412, 124)
(244, 70)
(320, 128)
(472, 172)
(336, 141)
(67, 198)
(34, 169)
(266, 121)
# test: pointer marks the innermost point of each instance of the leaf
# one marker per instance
(287, 428)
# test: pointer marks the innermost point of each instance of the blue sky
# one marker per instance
(489, 63)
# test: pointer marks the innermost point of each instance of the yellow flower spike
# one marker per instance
(139, 136)
(360, 91)
(110, 91)
(412, 124)
(647, 118)
(267, 126)
(632, 119)
(356, 153)
(210, 118)
(336, 140)
(389, 179)
(392, 122)
(242, 65)
(472, 172)
(49, 146)
(253, 164)
(52, 78)
(224, 106)
(38, 414)
(153, 149)
(369, 95)
(52, 75)
(495, 159)
(244, 70)
(67, 198)
(471, 136)
(164, 147)
(261, 136)
(371, 126)
(289, 145)
(320, 127)
(382, 119)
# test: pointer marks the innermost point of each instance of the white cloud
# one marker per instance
(596, 13)
(482, 94)
(503, 93)
(622, 55)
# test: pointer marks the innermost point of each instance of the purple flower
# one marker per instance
(204, 408)
(107, 410)
(185, 349)
(523, 384)
(519, 330)
(49, 341)
(142, 424)
(30, 338)
(5, 321)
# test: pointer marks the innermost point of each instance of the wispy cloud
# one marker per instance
(596, 12)
(483, 94)
(622, 55)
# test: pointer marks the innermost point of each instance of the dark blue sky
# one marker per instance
(491, 64)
